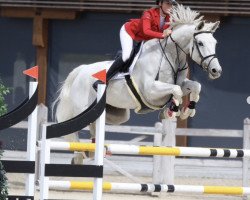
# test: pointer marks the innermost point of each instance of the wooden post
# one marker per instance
(182, 140)
(40, 40)
(40, 36)
(245, 161)
(168, 162)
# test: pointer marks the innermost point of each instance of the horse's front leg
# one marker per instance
(160, 91)
(172, 111)
(193, 89)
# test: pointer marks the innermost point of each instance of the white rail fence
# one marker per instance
(166, 137)
(144, 132)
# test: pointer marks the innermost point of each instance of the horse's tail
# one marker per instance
(63, 103)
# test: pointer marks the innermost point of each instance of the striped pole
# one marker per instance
(118, 149)
(136, 187)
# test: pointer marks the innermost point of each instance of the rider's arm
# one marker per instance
(146, 27)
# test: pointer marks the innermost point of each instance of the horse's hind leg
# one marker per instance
(92, 131)
(78, 156)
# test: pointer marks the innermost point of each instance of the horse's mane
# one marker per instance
(184, 15)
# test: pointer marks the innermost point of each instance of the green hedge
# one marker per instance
(3, 181)
(3, 91)
(3, 109)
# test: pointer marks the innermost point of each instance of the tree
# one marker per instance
(3, 179)
(3, 91)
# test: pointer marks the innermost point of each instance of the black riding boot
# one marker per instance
(113, 70)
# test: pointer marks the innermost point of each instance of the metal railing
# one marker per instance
(225, 7)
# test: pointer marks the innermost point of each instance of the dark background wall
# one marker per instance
(16, 55)
(223, 102)
(95, 36)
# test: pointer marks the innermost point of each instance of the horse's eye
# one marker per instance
(200, 44)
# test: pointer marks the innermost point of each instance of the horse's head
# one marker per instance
(203, 48)
(195, 37)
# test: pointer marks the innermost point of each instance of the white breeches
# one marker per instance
(127, 44)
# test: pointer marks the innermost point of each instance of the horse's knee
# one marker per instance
(126, 117)
(196, 87)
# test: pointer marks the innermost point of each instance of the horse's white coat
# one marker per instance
(77, 92)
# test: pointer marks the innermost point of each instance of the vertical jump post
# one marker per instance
(99, 149)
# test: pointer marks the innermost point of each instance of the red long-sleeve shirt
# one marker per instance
(147, 27)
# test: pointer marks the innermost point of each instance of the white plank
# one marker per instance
(209, 132)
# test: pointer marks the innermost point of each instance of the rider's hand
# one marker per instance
(167, 32)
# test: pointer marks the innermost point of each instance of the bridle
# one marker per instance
(184, 67)
(203, 58)
(195, 44)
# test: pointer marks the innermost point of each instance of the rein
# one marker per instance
(184, 67)
(172, 67)
(177, 46)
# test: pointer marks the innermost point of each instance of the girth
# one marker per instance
(143, 107)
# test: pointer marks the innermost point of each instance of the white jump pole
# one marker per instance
(99, 149)
(31, 143)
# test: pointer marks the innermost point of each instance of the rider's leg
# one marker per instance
(127, 47)
(126, 43)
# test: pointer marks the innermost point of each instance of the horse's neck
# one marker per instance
(177, 50)
(152, 60)
(183, 35)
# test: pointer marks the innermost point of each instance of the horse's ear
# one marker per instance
(200, 25)
(215, 26)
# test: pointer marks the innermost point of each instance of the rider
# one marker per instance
(151, 25)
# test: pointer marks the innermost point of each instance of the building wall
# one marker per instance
(16, 55)
(223, 102)
(95, 36)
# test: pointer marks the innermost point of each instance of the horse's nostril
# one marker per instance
(214, 70)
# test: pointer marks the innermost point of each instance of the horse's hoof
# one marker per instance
(176, 101)
(184, 113)
(187, 112)
(170, 114)
(77, 159)
(192, 114)
(178, 113)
